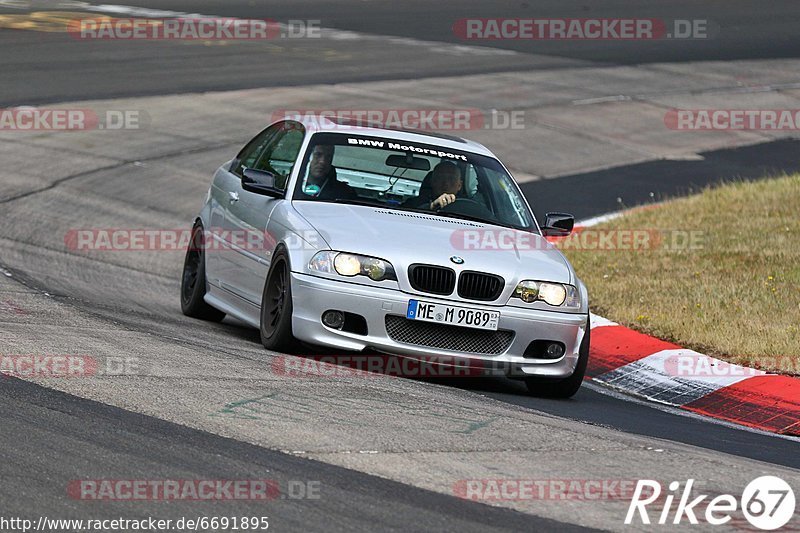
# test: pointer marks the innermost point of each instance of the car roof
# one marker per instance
(321, 123)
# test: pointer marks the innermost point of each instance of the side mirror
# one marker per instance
(260, 182)
(558, 224)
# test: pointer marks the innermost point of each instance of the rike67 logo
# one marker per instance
(767, 503)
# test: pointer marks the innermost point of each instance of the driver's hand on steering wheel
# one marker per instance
(443, 200)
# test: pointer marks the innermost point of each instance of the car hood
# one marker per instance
(404, 238)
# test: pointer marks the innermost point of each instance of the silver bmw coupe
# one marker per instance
(415, 244)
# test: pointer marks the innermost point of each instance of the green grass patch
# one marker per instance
(734, 295)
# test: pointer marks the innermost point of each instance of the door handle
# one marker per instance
(233, 196)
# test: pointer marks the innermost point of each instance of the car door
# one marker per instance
(247, 217)
(224, 193)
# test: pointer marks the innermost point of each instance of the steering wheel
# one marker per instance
(468, 206)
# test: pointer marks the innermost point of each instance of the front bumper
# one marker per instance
(312, 296)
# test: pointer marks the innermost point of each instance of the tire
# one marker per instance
(193, 281)
(566, 387)
(276, 306)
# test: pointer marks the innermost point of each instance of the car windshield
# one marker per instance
(393, 174)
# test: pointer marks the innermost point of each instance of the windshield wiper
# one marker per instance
(355, 202)
(445, 214)
(449, 214)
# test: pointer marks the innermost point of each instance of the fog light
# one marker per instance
(555, 350)
(333, 319)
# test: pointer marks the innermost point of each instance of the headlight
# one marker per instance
(347, 265)
(555, 294)
(351, 265)
(527, 291)
(552, 294)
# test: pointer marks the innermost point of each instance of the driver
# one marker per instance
(322, 181)
(446, 182)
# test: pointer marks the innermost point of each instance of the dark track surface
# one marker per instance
(642, 418)
(68, 438)
(618, 188)
(50, 67)
(745, 31)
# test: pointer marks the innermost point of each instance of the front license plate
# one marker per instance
(451, 314)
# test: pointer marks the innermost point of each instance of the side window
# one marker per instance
(250, 153)
(281, 152)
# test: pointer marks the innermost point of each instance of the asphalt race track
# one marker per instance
(56, 68)
(104, 436)
(202, 401)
